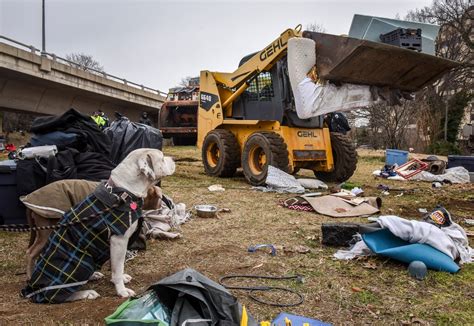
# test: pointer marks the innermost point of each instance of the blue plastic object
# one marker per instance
(393, 156)
(256, 247)
(417, 269)
(384, 243)
(297, 320)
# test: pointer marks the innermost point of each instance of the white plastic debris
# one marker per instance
(280, 181)
(215, 188)
(312, 183)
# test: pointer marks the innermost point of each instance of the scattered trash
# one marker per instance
(435, 165)
(215, 188)
(356, 289)
(313, 194)
(357, 191)
(385, 193)
(411, 168)
(423, 210)
(312, 183)
(338, 234)
(436, 185)
(280, 181)
(158, 223)
(417, 269)
(439, 217)
(298, 203)
(284, 319)
(469, 221)
(453, 175)
(383, 187)
(349, 185)
(399, 195)
(335, 206)
(206, 211)
(147, 307)
(260, 246)
(387, 171)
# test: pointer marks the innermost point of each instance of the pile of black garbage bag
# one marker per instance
(84, 151)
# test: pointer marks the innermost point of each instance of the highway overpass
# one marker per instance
(42, 83)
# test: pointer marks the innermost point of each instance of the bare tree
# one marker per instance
(455, 42)
(387, 125)
(315, 27)
(185, 81)
(85, 61)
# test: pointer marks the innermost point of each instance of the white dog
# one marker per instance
(75, 251)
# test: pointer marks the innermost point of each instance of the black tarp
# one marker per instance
(90, 137)
(127, 136)
(191, 295)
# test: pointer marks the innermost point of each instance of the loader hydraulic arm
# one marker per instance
(261, 61)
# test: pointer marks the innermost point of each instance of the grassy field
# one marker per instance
(373, 290)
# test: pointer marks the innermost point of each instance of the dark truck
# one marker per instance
(178, 115)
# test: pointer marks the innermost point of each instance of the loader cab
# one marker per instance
(269, 98)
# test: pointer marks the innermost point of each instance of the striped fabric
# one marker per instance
(72, 254)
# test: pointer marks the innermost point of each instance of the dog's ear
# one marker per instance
(168, 166)
(145, 165)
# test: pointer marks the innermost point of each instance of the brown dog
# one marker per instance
(60, 196)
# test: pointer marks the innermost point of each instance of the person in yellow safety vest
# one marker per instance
(101, 122)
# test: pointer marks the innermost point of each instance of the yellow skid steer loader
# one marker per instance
(247, 118)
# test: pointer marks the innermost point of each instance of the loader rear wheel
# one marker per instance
(345, 159)
(260, 150)
(220, 153)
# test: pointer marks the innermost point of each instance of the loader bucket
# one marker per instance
(351, 60)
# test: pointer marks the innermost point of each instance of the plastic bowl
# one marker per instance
(206, 211)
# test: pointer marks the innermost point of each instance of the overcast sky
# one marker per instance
(156, 43)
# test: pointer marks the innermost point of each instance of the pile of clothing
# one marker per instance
(83, 152)
(82, 149)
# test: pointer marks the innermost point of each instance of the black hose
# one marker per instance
(253, 289)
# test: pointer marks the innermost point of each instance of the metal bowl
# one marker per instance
(206, 211)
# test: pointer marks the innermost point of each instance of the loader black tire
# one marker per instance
(260, 150)
(345, 159)
(220, 153)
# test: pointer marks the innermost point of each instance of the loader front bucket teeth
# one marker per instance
(350, 60)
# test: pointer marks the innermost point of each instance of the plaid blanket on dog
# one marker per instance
(73, 253)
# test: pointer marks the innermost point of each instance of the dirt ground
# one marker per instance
(374, 290)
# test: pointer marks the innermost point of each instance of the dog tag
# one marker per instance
(133, 205)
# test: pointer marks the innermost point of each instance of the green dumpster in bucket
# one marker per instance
(395, 156)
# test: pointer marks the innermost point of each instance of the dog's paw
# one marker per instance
(83, 295)
(126, 278)
(126, 293)
(91, 294)
(96, 276)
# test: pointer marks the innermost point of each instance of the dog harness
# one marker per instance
(73, 253)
